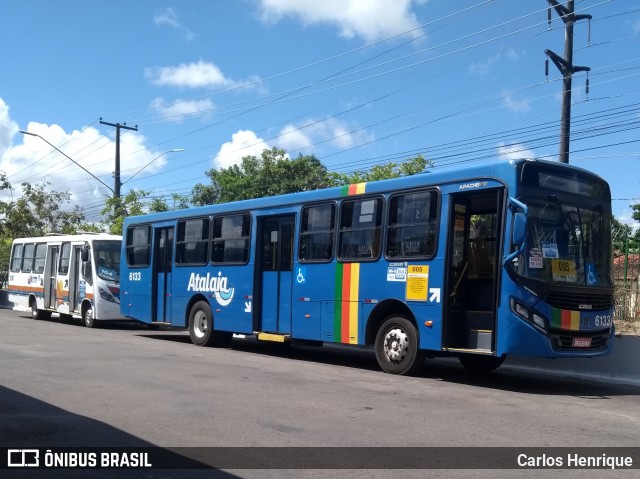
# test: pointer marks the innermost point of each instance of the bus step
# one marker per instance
(276, 338)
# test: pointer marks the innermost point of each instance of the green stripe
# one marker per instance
(337, 316)
(556, 318)
(344, 191)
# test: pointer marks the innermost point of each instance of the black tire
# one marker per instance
(88, 318)
(397, 347)
(36, 313)
(201, 327)
(478, 364)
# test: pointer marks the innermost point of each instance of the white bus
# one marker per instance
(72, 275)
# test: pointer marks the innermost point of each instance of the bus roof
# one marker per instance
(505, 169)
(61, 238)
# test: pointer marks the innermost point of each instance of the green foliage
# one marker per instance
(271, 174)
(408, 167)
(116, 209)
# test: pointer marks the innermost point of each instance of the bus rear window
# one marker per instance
(138, 245)
(16, 258)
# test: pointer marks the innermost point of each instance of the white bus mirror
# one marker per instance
(84, 253)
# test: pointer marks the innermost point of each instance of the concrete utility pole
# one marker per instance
(565, 66)
(118, 127)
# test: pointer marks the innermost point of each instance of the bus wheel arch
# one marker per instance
(383, 311)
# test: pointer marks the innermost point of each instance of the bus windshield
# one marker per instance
(107, 258)
(566, 244)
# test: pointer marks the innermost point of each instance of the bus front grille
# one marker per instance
(564, 340)
(580, 301)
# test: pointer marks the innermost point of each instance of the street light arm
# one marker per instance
(68, 157)
(174, 150)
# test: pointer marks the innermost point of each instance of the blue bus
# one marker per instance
(511, 258)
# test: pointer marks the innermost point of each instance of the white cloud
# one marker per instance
(513, 104)
(169, 17)
(482, 68)
(514, 151)
(200, 74)
(243, 143)
(179, 110)
(315, 132)
(371, 20)
(26, 158)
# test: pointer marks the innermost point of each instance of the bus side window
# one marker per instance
(317, 233)
(360, 224)
(411, 225)
(39, 262)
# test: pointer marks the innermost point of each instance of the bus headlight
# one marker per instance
(106, 295)
(528, 315)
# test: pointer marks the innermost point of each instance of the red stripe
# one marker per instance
(346, 299)
(566, 319)
(353, 189)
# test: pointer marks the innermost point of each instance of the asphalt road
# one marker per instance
(63, 385)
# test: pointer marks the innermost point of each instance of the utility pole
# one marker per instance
(118, 127)
(565, 66)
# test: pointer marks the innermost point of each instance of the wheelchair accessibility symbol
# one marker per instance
(591, 274)
(301, 276)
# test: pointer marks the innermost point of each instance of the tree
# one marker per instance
(408, 167)
(270, 174)
(115, 209)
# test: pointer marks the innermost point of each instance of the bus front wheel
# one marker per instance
(397, 347)
(201, 327)
(88, 318)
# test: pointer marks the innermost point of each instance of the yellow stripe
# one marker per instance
(575, 320)
(353, 306)
(277, 338)
(360, 188)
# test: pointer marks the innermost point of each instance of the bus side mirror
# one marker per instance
(84, 253)
(519, 229)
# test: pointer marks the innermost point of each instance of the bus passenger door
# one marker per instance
(275, 264)
(472, 270)
(162, 261)
(51, 277)
(75, 265)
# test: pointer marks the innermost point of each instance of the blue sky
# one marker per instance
(355, 83)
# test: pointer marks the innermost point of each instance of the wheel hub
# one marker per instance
(200, 324)
(396, 344)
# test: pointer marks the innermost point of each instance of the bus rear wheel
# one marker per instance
(396, 347)
(201, 327)
(38, 313)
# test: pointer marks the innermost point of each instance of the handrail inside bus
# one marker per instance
(516, 205)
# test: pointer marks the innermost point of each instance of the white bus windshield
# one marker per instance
(107, 259)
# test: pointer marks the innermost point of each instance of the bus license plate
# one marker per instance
(581, 342)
